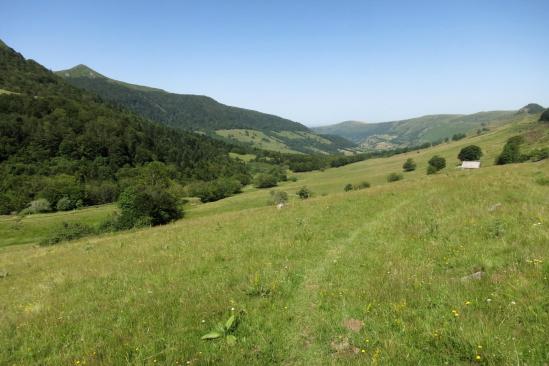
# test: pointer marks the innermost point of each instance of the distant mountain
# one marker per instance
(414, 131)
(204, 114)
(57, 140)
(531, 108)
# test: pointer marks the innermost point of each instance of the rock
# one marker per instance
(343, 346)
(353, 324)
(474, 276)
(494, 207)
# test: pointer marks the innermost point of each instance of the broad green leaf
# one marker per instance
(231, 340)
(212, 335)
(220, 328)
(230, 323)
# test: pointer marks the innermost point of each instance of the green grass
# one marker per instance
(257, 139)
(391, 256)
(374, 171)
(243, 157)
(3, 91)
(33, 228)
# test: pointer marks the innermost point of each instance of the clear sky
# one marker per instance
(316, 62)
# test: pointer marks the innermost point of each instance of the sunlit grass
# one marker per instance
(390, 259)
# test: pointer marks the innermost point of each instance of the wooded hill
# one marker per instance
(57, 141)
(204, 114)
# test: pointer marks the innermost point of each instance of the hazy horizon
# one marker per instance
(313, 62)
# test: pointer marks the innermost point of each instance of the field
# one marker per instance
(257, 139)
(376, 276)
(32, 229)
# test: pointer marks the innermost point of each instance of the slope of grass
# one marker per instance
(256, 139)
(375, 171)
(33, 228)
(415, 131)
(389, 259)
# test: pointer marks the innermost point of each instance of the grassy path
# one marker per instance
(391, 257)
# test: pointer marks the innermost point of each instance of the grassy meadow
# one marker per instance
(374, 276)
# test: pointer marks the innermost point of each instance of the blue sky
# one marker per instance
(316, 62)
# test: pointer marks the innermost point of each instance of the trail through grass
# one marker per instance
(391, 256)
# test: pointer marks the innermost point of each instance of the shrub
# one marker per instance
(409, 165)
(539, 154)
(438, 162)
(431, 169)
(545, 116)
(292, 178)
(304, 193)
(37, 206)
(511, 151)
(146, 205)
(348, 187)
(362, 185)
(458, 136)
(278, 197)
(68, 231)
(214, 190)
(263, 180)
(393, 177)
(98, 193)
(65, 204)
(471, 152)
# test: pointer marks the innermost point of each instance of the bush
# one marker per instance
(278, 197)
(471, 152)
(37, 206)
(146, 205)
(511, 151)
(431, 169)
(68, 231)
(263, 180)
(304, 193)
(393, 177)
(362, 185)
(292, 178)
(348, 187)
(65, 204)
(437, 162)
(214, 190)
(409, 165)
(539, 154)
(545, 116)
(458, 136)
(98, 193)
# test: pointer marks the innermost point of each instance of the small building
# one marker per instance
(470, 165)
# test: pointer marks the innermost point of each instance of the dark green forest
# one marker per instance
(186, 111)
(194, 112)
(57, 141)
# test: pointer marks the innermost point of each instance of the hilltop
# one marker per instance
(532, 108)
(206, 115)
(58, 141)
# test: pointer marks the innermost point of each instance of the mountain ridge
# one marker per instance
(415, 131)
(206, 115)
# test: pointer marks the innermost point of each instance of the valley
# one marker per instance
(155, 225)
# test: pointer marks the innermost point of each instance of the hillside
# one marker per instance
(58, 141)
(204, 114)
(377, 276)
(415, 131)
